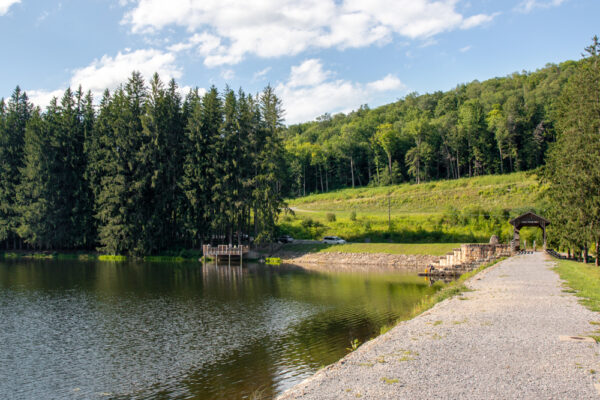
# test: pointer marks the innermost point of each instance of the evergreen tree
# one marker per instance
(123, 195)
(35, 192)
(203, 128)
(573, 168)
(12, 133)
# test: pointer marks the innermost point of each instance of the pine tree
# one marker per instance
(123, 194)
(199, 175)
(35, 193)
(12, 134)
(267, 195)
(573, 168)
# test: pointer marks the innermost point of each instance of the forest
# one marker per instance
(144, 170)
(497, 126)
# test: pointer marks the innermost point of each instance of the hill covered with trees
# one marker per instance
(500, 125)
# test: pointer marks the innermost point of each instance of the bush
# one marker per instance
(330, 217)
(353, 216)
(309, 222)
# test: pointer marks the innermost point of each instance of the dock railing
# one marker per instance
(223, 250)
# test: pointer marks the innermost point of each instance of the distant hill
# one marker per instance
(501, 125)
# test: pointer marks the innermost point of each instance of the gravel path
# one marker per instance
(500, 341)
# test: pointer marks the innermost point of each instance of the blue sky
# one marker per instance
(320, 55)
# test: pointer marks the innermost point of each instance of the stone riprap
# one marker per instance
(392, 261)
(504, 340)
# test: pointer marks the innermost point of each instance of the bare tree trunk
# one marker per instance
(585, 253)
(304, 180)
(390, 167)
(352, 170)
(255, 222)
(321, 176)
(457, 166)
(501, 160)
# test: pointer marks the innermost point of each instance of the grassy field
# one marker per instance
(584, 279)
(513, 191)
(454, 211)
(434, 249)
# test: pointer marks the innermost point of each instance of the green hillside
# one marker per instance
(462, 210)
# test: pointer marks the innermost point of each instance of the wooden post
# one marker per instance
(544, 233)
(516, 242)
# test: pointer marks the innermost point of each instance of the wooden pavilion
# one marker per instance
(527, 219)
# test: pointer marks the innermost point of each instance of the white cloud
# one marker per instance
(42, 97)
(389, 82)
(109, 72)
(309, 73)
(225, 31)
(465, 49)
(227, 74)
(310, 91)
(528, 5)
(6, 4)
(261, 74)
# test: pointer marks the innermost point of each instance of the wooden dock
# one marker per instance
(224, 251)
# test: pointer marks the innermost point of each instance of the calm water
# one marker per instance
(73, 329)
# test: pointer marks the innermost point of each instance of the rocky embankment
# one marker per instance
(403, 262)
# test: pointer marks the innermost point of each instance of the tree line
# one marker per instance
(500, 125)
(572, 172)
(145, 170)
(142, 172)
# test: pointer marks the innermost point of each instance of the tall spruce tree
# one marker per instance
(12, 134)
(573, 168)
(35, 193)
(123, 191)
(198, 181)
(267, 193)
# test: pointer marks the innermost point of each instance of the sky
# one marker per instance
(321, 56)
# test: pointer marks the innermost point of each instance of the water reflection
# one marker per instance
(74, 329)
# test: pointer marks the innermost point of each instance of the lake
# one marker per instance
(90, 329)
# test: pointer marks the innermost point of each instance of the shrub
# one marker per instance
(353, 216)
(330, 217)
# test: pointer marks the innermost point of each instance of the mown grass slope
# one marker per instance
(510, 191)
(462, 210)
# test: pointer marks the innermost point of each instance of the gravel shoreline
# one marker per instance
(502, 340)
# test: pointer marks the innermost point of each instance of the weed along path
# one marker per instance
(512, 336)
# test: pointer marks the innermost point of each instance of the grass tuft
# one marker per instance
(109, 257)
